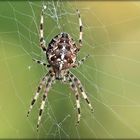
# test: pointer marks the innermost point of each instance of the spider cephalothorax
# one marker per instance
(61, 55)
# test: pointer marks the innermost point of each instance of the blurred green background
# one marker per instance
(111, 75)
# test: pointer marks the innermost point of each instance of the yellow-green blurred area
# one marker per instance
(111, 75)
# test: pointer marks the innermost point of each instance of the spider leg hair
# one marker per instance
(48, 86)
(78, 83)
(41, 84)
(75, 89)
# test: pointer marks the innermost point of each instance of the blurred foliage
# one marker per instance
(110, 75)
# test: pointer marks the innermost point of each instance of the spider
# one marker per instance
(61, 55)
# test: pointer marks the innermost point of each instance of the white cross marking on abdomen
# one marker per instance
(62, 56)
(63, 52)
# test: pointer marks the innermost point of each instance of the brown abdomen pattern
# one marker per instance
(61, 52)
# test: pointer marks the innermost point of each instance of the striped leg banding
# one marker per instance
(81, 28)
(78, 83)
(39, 62)
(74, 88)
(41, 110)
(42, 83)
(80, 62)
(42, 41)
(48, 85)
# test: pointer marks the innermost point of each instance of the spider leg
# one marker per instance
(81, 29)
(78, 83)
(48, 85)
(42, 41)
(40, 62)
(42, 83)
(74, 88)
(80, 62)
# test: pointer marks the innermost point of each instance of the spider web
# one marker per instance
(110, 75)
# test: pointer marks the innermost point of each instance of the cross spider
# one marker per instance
(61, 55)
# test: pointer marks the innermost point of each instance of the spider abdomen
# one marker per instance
(61, 52)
